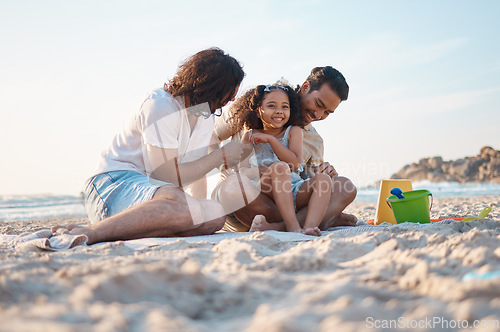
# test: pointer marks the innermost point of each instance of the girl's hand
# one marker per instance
(258, 138)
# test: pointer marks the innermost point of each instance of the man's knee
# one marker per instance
(323, 180)
(169, 192)
(321, 183)
(344, 189)
(175, 202)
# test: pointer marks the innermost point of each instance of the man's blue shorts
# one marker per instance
(107, 194)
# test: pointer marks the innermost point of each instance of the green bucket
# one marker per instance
(413, 208)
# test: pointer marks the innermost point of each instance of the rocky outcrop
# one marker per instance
(485, 167)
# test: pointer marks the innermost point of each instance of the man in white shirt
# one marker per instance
(140, 188)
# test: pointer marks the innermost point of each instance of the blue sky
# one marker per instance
(424, 76)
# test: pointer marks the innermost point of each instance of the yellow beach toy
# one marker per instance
(384, 212)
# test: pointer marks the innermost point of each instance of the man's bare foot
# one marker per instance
(342, 219)
(259, 224)
(75, 230)
(315, 231)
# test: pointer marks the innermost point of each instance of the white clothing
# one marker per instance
(162, 121)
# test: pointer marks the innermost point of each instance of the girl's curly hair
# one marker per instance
(244, 109)
(208, 76)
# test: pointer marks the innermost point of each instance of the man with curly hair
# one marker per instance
(140, 188)
(322, 92)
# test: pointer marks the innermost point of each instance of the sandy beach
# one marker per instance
(393, 278)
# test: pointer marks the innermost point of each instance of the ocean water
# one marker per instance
(28, 207)
(438, 190)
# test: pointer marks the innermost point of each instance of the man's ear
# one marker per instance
(306, 86)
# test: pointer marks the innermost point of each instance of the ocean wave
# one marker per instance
(438, 190)
(27, 207)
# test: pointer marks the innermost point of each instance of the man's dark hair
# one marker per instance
(333, 77)
(208, 76)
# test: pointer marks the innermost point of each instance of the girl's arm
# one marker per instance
(291, 155)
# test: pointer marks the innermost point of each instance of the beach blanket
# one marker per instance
(44, 239)
(282, 236)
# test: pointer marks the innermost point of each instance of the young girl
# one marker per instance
(273, 117)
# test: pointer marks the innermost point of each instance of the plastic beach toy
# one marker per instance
(397, 192)
(481, 215)
(414, 207)
(384, 212)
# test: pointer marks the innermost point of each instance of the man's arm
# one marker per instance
(226, 125)
(166, 167)
(313, 155)
(312, 152)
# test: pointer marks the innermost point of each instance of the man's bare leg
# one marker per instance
(214, 216)
(168, 213)
(343, 193)
(259, 224)
(246, 205)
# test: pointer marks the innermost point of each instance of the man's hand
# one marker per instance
(327, 169)
(234, 152)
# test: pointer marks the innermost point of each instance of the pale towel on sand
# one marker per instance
(44, 239)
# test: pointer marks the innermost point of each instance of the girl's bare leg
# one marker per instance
(316, 194)
(276, 183)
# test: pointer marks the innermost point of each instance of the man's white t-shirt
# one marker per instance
(162, 121)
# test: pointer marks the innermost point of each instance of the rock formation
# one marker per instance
(485, 167)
